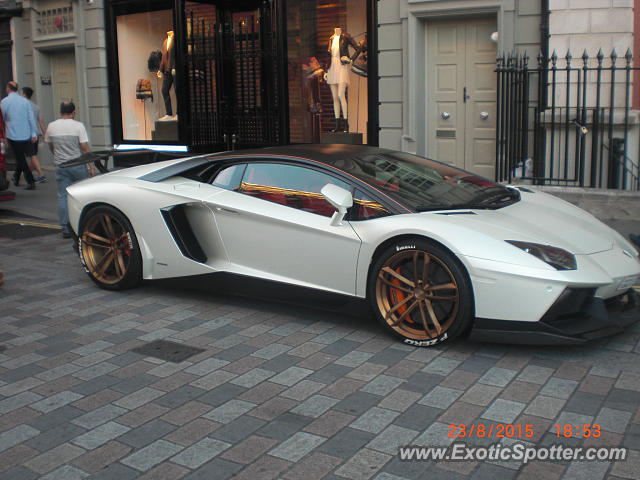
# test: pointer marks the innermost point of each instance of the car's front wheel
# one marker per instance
(420, 293)
(109, 249)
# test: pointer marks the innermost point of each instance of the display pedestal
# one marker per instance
(342, 137)
(165, 131)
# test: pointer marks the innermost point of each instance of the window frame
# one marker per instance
(207, 172)
(351, 214)
(222, 168)
(113, 10)
(296, 165)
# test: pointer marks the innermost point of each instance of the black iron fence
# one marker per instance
(566, 121)
(233, 64)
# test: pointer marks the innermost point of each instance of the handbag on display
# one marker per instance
(143, 89)
(359, 59)
(153, 63)
(359, 67)
(312, 69)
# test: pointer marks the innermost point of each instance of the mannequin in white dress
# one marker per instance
(337, 75)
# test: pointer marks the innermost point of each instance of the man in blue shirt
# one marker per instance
(20, 130)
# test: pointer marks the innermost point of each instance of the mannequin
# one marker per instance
(167, 72)
(337, 75)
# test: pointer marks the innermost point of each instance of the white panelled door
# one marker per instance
(63, 76)
(461, 93)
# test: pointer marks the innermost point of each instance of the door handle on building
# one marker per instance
(445, 115)
(484, 115)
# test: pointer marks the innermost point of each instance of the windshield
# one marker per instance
(422, 184)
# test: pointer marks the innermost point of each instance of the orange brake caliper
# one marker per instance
(398, 296)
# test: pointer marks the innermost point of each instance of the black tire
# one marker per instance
(104, 228)
(420, 312)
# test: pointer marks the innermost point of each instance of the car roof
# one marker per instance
(330, 153)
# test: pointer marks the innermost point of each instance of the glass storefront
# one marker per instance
(146, 62)
(221, 75)
(327, 70)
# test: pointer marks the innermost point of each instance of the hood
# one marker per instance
(544, 219)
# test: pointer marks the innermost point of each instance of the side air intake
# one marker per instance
(182, 233)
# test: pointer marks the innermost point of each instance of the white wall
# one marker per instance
(577, 25)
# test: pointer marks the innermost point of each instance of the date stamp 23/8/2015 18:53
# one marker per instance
(517, 430)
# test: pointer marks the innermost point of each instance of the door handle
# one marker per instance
(226, 210)
(484, 115)
(445, 115)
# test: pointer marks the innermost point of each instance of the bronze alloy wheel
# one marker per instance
(417, 294)
(106, 248)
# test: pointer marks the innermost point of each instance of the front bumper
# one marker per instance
(576, 317)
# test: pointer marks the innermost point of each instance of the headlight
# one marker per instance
(556, 257)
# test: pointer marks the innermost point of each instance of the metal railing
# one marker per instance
(568, 121)
(233, 102)
(55, 20)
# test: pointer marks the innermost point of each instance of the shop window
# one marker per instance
(146, 61)
(288, 185)
(327, 71)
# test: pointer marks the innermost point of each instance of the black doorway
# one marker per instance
(6, 71)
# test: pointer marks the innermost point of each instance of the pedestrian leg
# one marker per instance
(20, 150)
(63, 180)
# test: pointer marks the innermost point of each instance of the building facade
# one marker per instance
(440, 94)
(209, 75)
(437, 79)
(58, 49)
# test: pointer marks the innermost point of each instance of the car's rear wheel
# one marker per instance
(109, 249)
(420, 293)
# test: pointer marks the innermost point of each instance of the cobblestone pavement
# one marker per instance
(280, 391)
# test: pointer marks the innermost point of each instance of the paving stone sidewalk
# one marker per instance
(280, 391)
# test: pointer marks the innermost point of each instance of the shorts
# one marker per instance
(32, 149)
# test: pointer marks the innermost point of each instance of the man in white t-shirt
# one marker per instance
(67, 139)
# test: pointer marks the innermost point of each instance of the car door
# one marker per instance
(275, 224)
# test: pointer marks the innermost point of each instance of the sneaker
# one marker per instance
(41, 179)
(66, 234)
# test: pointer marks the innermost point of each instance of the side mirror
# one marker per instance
(340, 198)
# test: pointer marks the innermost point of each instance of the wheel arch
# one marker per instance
(145, 252)
(91, 206)
(407, 236)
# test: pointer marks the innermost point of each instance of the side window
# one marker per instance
(229, 177)
(366, 208)
(289, 185)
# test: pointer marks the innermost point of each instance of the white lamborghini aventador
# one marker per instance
(437, 251)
